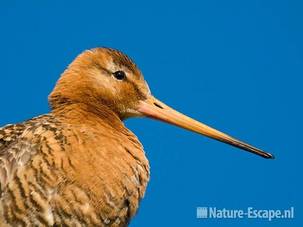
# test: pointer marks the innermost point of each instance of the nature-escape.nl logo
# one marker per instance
(250, 213)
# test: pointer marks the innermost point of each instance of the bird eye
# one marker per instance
(119, 75)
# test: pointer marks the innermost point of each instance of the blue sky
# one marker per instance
(235, 65)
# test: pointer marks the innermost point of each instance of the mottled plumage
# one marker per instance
(45, 180)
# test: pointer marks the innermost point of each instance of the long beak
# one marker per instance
(154, 108)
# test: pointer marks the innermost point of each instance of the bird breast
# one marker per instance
(75, 175)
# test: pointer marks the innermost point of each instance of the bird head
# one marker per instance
(102, 77)
(106, 78)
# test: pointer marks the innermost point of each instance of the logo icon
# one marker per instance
(202, 212)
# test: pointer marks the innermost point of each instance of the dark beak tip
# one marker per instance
(270, 156)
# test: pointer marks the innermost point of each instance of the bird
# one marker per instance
(79, 165)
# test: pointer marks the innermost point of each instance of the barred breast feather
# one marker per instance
(58, 173)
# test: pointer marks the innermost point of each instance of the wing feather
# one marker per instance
(18, 143)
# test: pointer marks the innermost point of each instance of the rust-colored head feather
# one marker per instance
(90, 79)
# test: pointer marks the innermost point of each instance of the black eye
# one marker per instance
(119, 75)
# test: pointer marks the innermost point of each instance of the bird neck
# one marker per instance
(80, 113)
